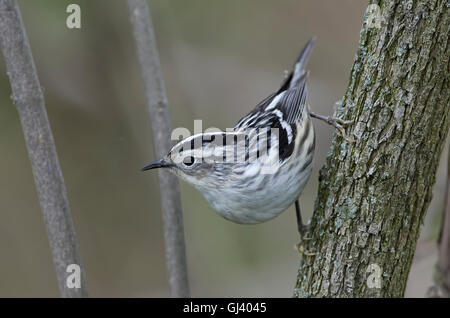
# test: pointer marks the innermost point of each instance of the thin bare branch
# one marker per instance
(29, 100)
(158, 110)
(444, 244)
(441, 287)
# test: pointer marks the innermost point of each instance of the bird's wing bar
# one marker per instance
(282, 112)
(285, 107)
(252, 118)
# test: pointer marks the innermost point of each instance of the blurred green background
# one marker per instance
(219, 58)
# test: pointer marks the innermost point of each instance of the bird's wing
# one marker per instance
(282, 112)
(278, 109)
(251, 120)
(283, 109)
(290, 97)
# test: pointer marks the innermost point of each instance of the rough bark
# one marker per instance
(373, 194)
(29, 100)
(158, 110)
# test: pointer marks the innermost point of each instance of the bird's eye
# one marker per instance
(189, 161)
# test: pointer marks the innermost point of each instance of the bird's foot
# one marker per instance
(303, 230)
(300, 247)
(340, 130)
(337, 123)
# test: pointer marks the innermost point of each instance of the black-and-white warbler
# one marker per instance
(255, 171)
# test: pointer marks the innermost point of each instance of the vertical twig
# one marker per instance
(29, 100)
(441, 286)
(444, 244)
(158, 109)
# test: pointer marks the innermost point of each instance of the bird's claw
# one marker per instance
(341, 121)
(300, 247)
(339, 124)
(302, 250)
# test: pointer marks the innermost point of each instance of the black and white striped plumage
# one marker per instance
(253, 191)
(285, 108)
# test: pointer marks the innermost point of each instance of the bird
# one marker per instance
(253, 172)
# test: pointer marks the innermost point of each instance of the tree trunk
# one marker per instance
(373, 194)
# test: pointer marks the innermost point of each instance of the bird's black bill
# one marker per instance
(155, 164)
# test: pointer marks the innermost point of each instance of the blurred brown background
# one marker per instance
(219, 58)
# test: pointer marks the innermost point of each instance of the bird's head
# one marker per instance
(199, 159)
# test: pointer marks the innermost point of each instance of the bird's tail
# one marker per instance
(298, 71)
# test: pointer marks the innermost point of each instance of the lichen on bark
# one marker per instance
(374, 193)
